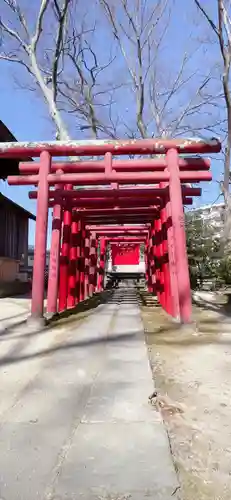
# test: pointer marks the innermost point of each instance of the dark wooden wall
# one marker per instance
(13, 233)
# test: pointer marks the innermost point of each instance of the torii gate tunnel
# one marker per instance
(134, 201)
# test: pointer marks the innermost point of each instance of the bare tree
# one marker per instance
(84, 90)
(168, 98)
(221, 29)
(24, 43)
(105, 72)
(57, 51)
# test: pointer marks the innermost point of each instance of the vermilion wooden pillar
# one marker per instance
(148, 266)
(92, 263)
(37, 302)
(78, 263)
(146, 259)
(101, 267)
(64, 258)
(152, 272)
(166, 273)
(172, 262)
(96, 264)
(177, 213)
(158, 256)
(72, 262)
(148, 262)
(154, 277)
(86, 263)
(53, 278)
(162, 275)
(82, 264)
(150, 287)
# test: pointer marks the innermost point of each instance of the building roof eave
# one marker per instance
(19, 208)
(8, 166)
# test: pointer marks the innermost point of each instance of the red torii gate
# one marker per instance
(117, 235)
(154, 194)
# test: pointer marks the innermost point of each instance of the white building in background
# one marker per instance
(140, 268)
(213, 214)
(31, 257)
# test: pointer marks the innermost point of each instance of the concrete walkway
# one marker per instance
(75, 422)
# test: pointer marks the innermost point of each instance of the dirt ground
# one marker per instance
(192, 371)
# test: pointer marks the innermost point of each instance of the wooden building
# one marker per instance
(14, 222)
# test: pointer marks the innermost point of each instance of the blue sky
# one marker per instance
(26, 116)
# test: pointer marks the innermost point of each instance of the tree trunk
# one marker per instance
(62, 133)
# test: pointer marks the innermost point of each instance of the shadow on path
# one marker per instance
(89, 342)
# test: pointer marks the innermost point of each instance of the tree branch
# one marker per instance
(206, 15)
(5, 28)
(61, 15)
(38, 29)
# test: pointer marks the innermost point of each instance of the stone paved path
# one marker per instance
(75, 422)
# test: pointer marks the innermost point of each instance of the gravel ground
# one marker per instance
(192, 371)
